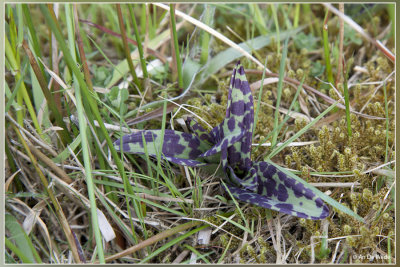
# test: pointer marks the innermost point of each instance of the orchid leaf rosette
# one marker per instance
(228, 147)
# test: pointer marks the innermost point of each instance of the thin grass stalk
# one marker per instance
(21, 25)
(13, 32)
(154, 23)
(111, 211)
(11, 163)
(279, 91)
(221, 259)
(128, 189)
(387, 123)
(59, 212)
(161, 236)
(22, 94)
(82, 53)
(326, 49)
(176, 46)
(259, 98)
(54, 59)
(88, 97)
(11, 96)
(139, 43)
(126, 48)
(347, 102)
(391, 7)
(205, 36)
(90, 86)
(389, 249)
(238, 208)
(64, 135)
(84, 136)
(164, 119)
(275, 16)
(341, 37)
(33, 40)
(88, 171)
(286, 118)
(199, 256)
(296, 16)
(143, 18)
(303, 130)
(361, 31)
(259, 18)
(88, 80)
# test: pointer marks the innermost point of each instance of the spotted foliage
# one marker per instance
(229, 143)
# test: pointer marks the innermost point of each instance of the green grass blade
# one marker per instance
(302, 131)
(275, 16)
(139, 43)
(225, 57)
(279, 92)
(326, 49)
(176, 46)
(172, 242)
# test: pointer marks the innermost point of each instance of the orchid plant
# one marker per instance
(228, 148)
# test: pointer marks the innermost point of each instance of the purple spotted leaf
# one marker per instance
(178, 147)
(271, 188)
(229, 143)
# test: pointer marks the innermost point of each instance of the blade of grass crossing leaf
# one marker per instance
(236, 224)
(159, 152)
(129, 190)
(237, 207)
(172, 242)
